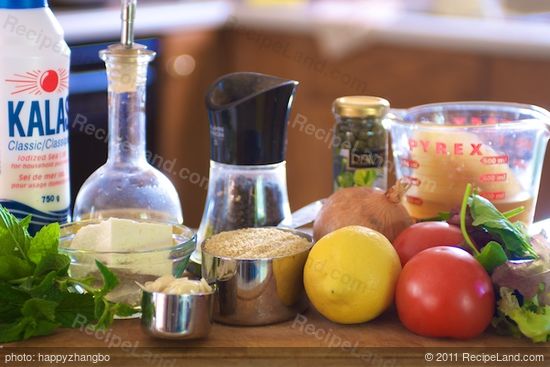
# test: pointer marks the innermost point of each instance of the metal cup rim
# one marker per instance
(201, 294)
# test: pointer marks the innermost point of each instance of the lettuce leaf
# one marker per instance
(531, 318)
(529, 277)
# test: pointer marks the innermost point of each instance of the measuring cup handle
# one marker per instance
(547, 131)
(395, 115)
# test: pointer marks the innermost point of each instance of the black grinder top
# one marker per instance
(248, 115)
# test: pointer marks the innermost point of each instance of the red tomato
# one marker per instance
(424, 235)
(444, 292)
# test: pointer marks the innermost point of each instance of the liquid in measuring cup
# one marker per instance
(439, 166)
(419, 208)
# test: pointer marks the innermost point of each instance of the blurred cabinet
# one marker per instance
(405, 75)
(189, 63)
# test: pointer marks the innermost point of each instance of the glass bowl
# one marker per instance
(130, 266)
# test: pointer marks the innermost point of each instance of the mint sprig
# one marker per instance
(37, 294)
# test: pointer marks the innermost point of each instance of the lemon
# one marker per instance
(350, 275)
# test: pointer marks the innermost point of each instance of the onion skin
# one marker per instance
(364, 206)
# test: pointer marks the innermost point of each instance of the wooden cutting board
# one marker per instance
(307, 340)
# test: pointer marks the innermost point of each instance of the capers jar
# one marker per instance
(360, 142)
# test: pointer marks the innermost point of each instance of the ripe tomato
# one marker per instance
(444, 292)
(424, 235)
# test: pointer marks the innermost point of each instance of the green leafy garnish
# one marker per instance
(492, 255)
(37, 294)
(110, 280)
(518, 265)
(463, 209)
(15, 237)
(531, 319)
(44, 243)
(511, 237)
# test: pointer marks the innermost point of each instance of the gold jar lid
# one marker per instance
(361, 106)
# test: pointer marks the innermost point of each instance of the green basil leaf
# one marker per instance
(491, 256)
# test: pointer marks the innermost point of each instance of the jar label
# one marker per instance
(371, 159)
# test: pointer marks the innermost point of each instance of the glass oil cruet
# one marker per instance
(127, 186)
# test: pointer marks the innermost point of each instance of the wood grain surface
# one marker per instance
(309, 339)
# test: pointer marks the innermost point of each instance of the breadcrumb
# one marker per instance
(256, 243)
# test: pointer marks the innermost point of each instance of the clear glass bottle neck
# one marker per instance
(127, 75)
(127, 127)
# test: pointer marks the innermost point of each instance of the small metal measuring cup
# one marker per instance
(257, 291)
(172, 316)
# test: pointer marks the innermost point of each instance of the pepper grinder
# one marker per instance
(248, 115)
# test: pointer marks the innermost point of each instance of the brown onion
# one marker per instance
(365, 206)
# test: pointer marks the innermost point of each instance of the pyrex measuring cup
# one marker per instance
(497, 147)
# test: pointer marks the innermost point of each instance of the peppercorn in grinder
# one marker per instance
(248, 115)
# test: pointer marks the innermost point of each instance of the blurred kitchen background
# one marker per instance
(410, 52)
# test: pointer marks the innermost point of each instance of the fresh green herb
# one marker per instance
(37, 295)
